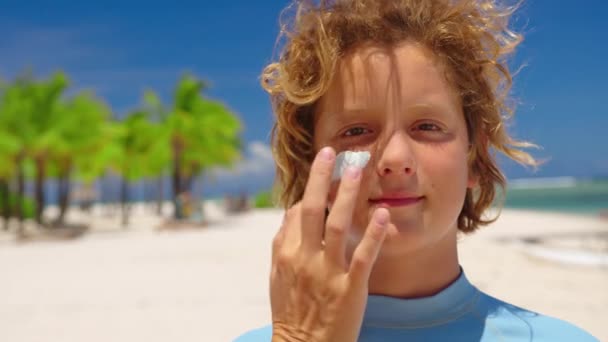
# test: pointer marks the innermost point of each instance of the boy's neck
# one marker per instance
(419, 274)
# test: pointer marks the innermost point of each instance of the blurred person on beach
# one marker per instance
(423, 87)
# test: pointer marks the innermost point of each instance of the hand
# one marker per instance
(315, 295)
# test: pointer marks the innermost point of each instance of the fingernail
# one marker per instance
(382, 216)
(326, 153)
(352, 172)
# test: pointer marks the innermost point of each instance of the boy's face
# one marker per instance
(397, 104)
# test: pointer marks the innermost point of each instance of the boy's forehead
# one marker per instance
(376, 76)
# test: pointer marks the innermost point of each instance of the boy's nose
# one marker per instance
(396, 158)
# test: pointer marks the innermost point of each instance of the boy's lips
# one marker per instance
(395, 200)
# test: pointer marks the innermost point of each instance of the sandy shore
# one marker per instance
(210, 284)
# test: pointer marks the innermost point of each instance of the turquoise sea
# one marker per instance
(563, 194)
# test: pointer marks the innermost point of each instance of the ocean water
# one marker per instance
(564, 194)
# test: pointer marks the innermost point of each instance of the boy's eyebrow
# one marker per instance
(433, 108)
(344, 114)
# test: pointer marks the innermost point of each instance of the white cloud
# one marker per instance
(257, 162)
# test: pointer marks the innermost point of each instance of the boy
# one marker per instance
(421, 86)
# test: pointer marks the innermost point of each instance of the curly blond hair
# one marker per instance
(470, 37)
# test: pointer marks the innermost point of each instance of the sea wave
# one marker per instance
(542, 183)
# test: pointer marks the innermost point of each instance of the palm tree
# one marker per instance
(137, 140)
(93, 166)
(160, 158)
(44, 120)
(9, 147)
(16, 105)
(202, 133)
(79, 128)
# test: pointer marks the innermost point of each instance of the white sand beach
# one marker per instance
(210, 284)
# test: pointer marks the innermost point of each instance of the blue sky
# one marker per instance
(121, 48)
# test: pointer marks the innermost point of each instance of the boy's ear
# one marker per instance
(473, 180)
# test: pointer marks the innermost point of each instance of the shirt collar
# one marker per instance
(449, 304)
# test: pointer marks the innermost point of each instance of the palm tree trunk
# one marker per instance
(19, 196)
(159, 196)
(177, 179)
(5, 199)
(64, 195)
(124, 197)
(177, 176)
(149, 195)
(40, 176)
(188, 182)
(106, 185)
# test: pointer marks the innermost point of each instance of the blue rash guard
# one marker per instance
(461, 312)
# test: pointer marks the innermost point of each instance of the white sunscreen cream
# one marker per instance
(345, 159)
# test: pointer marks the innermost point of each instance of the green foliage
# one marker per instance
(9, 147)
(44, 115)
(94, 165)
(140, 149)
(58, 136)
(28, 206)
(15, 130)
(263, 200)
(206, 130)
(80, 127)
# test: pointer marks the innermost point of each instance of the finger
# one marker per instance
(314, 201)
(277, 241)
(366, 253)
(340, 217)
(287, 235)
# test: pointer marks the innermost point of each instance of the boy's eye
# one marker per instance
(429, 127)
(355, 131)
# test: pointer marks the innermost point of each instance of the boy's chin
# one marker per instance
(402, 241)
(403, 220)
(405, 232)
